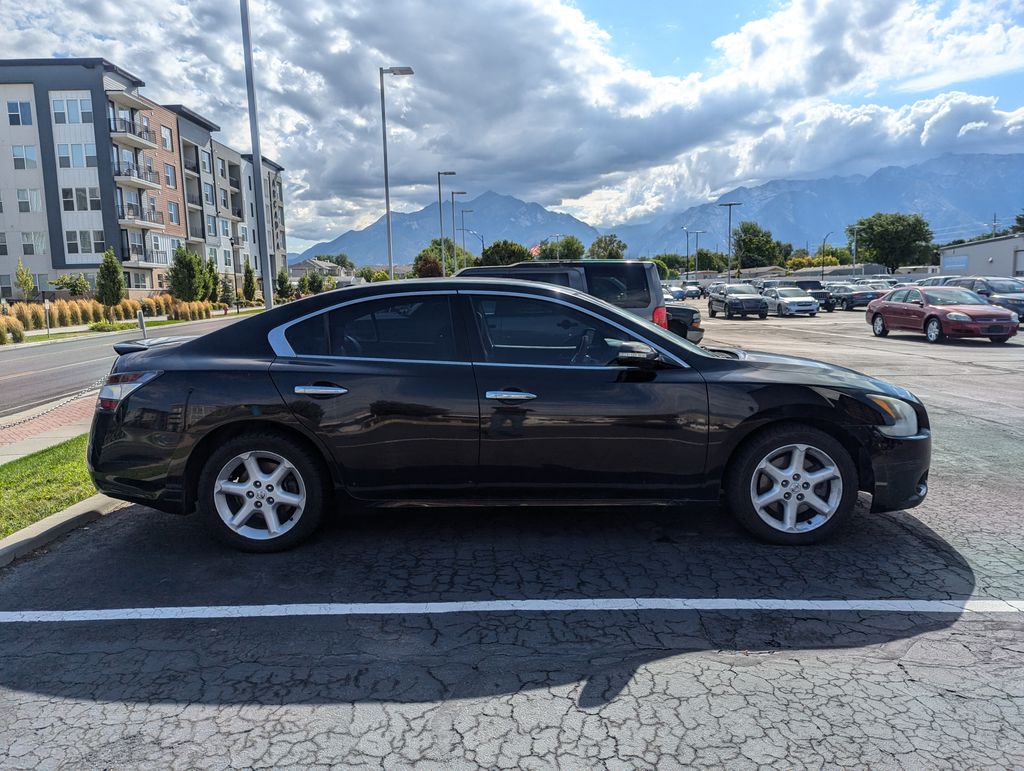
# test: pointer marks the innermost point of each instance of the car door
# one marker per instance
(893, 310)
(772, 296)
(912, 310)
(386, 384)
(560, 419)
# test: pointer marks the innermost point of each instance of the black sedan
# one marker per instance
(850, 296)
(433, 391)
(737, 300)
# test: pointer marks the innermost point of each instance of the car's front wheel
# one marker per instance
(792, 485)
(847, 305)
(999, 338)
(878, 326)
(261, 492)
(933, 330)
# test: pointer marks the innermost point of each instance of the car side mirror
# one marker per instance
(633, 353)
(917, 302)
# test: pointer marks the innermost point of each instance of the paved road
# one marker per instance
(555, 689)
(39, 374)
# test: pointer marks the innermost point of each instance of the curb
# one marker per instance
(51, 528)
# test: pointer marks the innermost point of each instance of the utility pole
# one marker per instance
(823, 255)
(387, 185)
(696, 251)
(455, 246)
(440, 216)
(994, 224)
(262, 247)
(856, 230)
(729, 206)
(687, 231)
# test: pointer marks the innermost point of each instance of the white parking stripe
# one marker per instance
(507, 606)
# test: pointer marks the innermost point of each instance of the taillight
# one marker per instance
(661, 316)
(118, 385)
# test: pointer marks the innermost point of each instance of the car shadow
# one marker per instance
(140, 558)
(951, 342)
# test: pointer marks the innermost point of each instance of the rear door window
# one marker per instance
(624, 285)
(416, 328)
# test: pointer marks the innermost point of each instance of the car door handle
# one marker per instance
(517, 396)
(320, 390)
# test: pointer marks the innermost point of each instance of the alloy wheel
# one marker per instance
(878, 325)
(933, 331)
(259, 495)
(796, 488)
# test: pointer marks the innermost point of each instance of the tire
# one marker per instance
(762, 315)
(728, 312)
(813, 314)
(933, 330)
(305, 479)
(711, 310)
(999, 338)
(847, 305)
(778, 311)
(829, 310)
(878, 326)
(745, 479)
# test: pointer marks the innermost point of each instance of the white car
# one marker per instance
(790, 300)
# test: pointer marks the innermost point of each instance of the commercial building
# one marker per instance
(87, 163)
(1000, 256)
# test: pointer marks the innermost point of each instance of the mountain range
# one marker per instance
(957, 194)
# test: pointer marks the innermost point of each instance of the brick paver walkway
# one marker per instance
(78, 410)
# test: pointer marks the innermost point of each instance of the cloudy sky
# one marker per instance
(612, 110)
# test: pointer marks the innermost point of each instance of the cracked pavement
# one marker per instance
(580, 689)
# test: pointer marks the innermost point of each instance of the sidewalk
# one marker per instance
(33, 430)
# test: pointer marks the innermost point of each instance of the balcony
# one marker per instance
(133, 134)
(194, 199)
(235, 213)
(234, 183)
(191, 166)
(138, 255)
(135, 216)
(134, 176)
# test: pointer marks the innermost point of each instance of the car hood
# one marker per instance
(777, 367)
(975, 310)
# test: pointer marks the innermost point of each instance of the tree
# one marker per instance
(892, 239)
(248, 283)
(186, 276)
(674, 261)
(227, 292)
(663, 271)
(607, 247)
(316, 282)
(842, 255)
(23, 278)
(365, 273)
(705, 259)
(283, 285)
(455, 257)
(429, 267)
(303, 287)
(505, 253)
(380, 275)
(754, 246)
(212, 281)
(796, 263)
(110, 284)
(330, 283)
(567, 248)
(341, 260)
(1018, 223)
(73, 283)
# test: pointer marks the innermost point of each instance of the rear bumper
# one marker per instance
(900, 468)
(694, 335)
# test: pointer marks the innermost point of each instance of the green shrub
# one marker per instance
(107, 326)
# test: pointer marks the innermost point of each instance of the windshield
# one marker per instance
(740, 289)
(1007, 285)
(792, 293)
(954, 297)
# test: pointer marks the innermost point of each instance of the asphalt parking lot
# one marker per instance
(767, 677)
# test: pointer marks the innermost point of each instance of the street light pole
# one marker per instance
(387, 186)
(463, 211)
(262, 247)
(696, 252)
(687, 231)
(729, 206)
(455, 246)
(440, 215)
(823, 256)
(855, 229)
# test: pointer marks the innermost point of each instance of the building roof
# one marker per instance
(968, 244)
(78, 62)
(193, 116)
(266, 160)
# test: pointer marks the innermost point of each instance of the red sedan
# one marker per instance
(941, 312)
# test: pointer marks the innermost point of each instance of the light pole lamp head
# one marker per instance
(446, 173)
(397, 70)
(458, 192)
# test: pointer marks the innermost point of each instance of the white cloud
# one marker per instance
(524, 97)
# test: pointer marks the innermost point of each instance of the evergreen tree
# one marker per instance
(227, 292)
(315, 282)
(23, 278)
(110, 283)
(283, 285)
(249, 283)
(187, 276)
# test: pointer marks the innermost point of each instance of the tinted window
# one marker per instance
(912, 295)
(1005, 285)
(740, 289)
(515, 330)
(561, 279)
(309, 337)
(394, 328)
(792, 293)
(898, 297)
(624, 285)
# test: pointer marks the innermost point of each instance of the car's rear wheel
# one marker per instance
(813, 313)
(792, 485)
(933, 330)
(711, 310)
(847, 305)
(779, 312)
(878, 326)
(262, 492)
(999, 338)
(762, 315)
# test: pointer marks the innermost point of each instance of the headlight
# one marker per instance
(1014, 318)
(900, 417)
(957, 316)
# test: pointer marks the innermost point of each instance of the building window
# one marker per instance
(86, 105)
(3, 244)
(205, 162)
(74, 114)
(24, 156)
(165, 137)
(170, 177)
(94, 199)
(90, 279)
(90, 156)
(252, 210)
(211, 254)
(243, 232)
(250, 182)
(173, 213)
(227, 257)
(71, 240)
(5, 284)
(40, 281)
(81, 199)
(33, 243)
(72, 111)
(208, 193)
(85, 238)
(59, 116)
(223, 198)
(211, 225)
(29, 200)
(222, 168)
(19, 113)
(67, 195)
(225, 228)
(99, 242)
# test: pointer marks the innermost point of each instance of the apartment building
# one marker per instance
(273, 205)
(88, 162)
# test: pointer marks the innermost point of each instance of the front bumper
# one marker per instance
(978, 328)
(900, 467)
